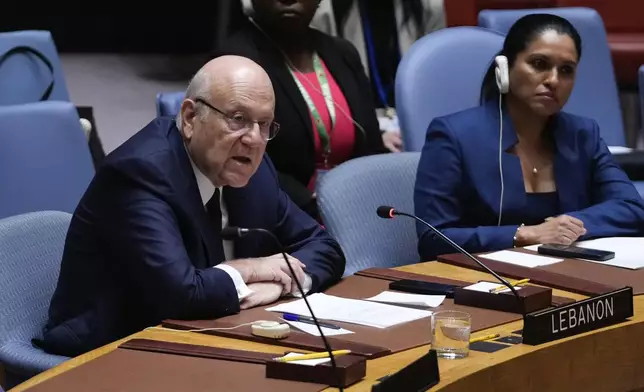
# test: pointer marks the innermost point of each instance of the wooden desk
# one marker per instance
(609, 359)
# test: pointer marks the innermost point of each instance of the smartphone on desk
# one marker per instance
(420, 287)
(575, 252)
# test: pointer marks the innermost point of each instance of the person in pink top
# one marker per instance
(324, 103)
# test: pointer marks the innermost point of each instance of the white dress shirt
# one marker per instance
(206, 191)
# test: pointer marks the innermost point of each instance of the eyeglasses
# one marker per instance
(238, 122)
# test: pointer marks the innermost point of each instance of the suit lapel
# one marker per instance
(194, 204)
(282, 78)
(566, 169)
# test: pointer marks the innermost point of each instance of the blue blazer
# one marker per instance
(458, 185)
(139, 247)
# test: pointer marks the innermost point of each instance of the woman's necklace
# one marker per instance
(535, 170)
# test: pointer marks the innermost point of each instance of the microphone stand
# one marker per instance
(243, 231)
(393, 211)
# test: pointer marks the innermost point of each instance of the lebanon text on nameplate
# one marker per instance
(579, 317)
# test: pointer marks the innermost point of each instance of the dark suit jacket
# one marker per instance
(458, 186)
(139, 247)
(292, 151)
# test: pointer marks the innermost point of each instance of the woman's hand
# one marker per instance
(392, 141)
(563, 230)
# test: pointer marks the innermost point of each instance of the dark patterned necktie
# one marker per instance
(213, 209)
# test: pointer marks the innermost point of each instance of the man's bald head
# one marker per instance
(218, 75)
(226, 119)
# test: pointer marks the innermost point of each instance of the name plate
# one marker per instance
(579, 317)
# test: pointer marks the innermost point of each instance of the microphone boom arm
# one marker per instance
(458, 248)
(239, 232)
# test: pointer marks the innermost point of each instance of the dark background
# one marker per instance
(172, 31)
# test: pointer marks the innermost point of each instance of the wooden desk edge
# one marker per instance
(451, 371)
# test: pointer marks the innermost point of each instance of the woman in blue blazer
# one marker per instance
(517, 171)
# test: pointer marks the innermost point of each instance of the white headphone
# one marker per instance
(502, 74)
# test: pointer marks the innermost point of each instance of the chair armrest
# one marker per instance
(632, 163)
(22, 358)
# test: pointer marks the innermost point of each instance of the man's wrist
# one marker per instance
(236, 265)
(306, 286)
(242, 289)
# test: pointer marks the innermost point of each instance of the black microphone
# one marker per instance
(388, 212)
(230, 233)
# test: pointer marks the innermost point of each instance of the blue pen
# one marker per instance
(308, 320)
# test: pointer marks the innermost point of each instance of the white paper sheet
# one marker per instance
(393, 297)
(615, 150)
(522, 259)
(355, 311)
(313, 330)
(308, 362)
(629, 251)
(487, 286)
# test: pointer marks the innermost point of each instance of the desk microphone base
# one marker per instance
(531, 299)
(418, 376)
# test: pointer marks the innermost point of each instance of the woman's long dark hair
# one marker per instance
(521, 34)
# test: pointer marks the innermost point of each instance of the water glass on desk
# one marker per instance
(451, 334)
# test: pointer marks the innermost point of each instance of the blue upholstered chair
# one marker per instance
(595, 94)
(441, 74)
(348, 197)
(45, 163)
(31, 248)
(24, 76)
(169, 104)
(641, 88)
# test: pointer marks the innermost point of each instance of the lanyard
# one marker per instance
(328, 100)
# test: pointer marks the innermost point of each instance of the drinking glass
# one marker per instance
(451, 333)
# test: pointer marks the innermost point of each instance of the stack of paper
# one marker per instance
(355, 311)
(394, 297)
(522, 259)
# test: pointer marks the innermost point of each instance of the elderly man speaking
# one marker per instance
(144, 243)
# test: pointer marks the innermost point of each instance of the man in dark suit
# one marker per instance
(144, 243)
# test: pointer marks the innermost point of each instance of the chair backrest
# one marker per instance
(31, 249)
(641, 88)
(441, 74)
(595, 94)
(169, 104)
(45, 162)
(348, 197)
(24, 76)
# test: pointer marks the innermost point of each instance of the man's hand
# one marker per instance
(269, 269)
(263, 293)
